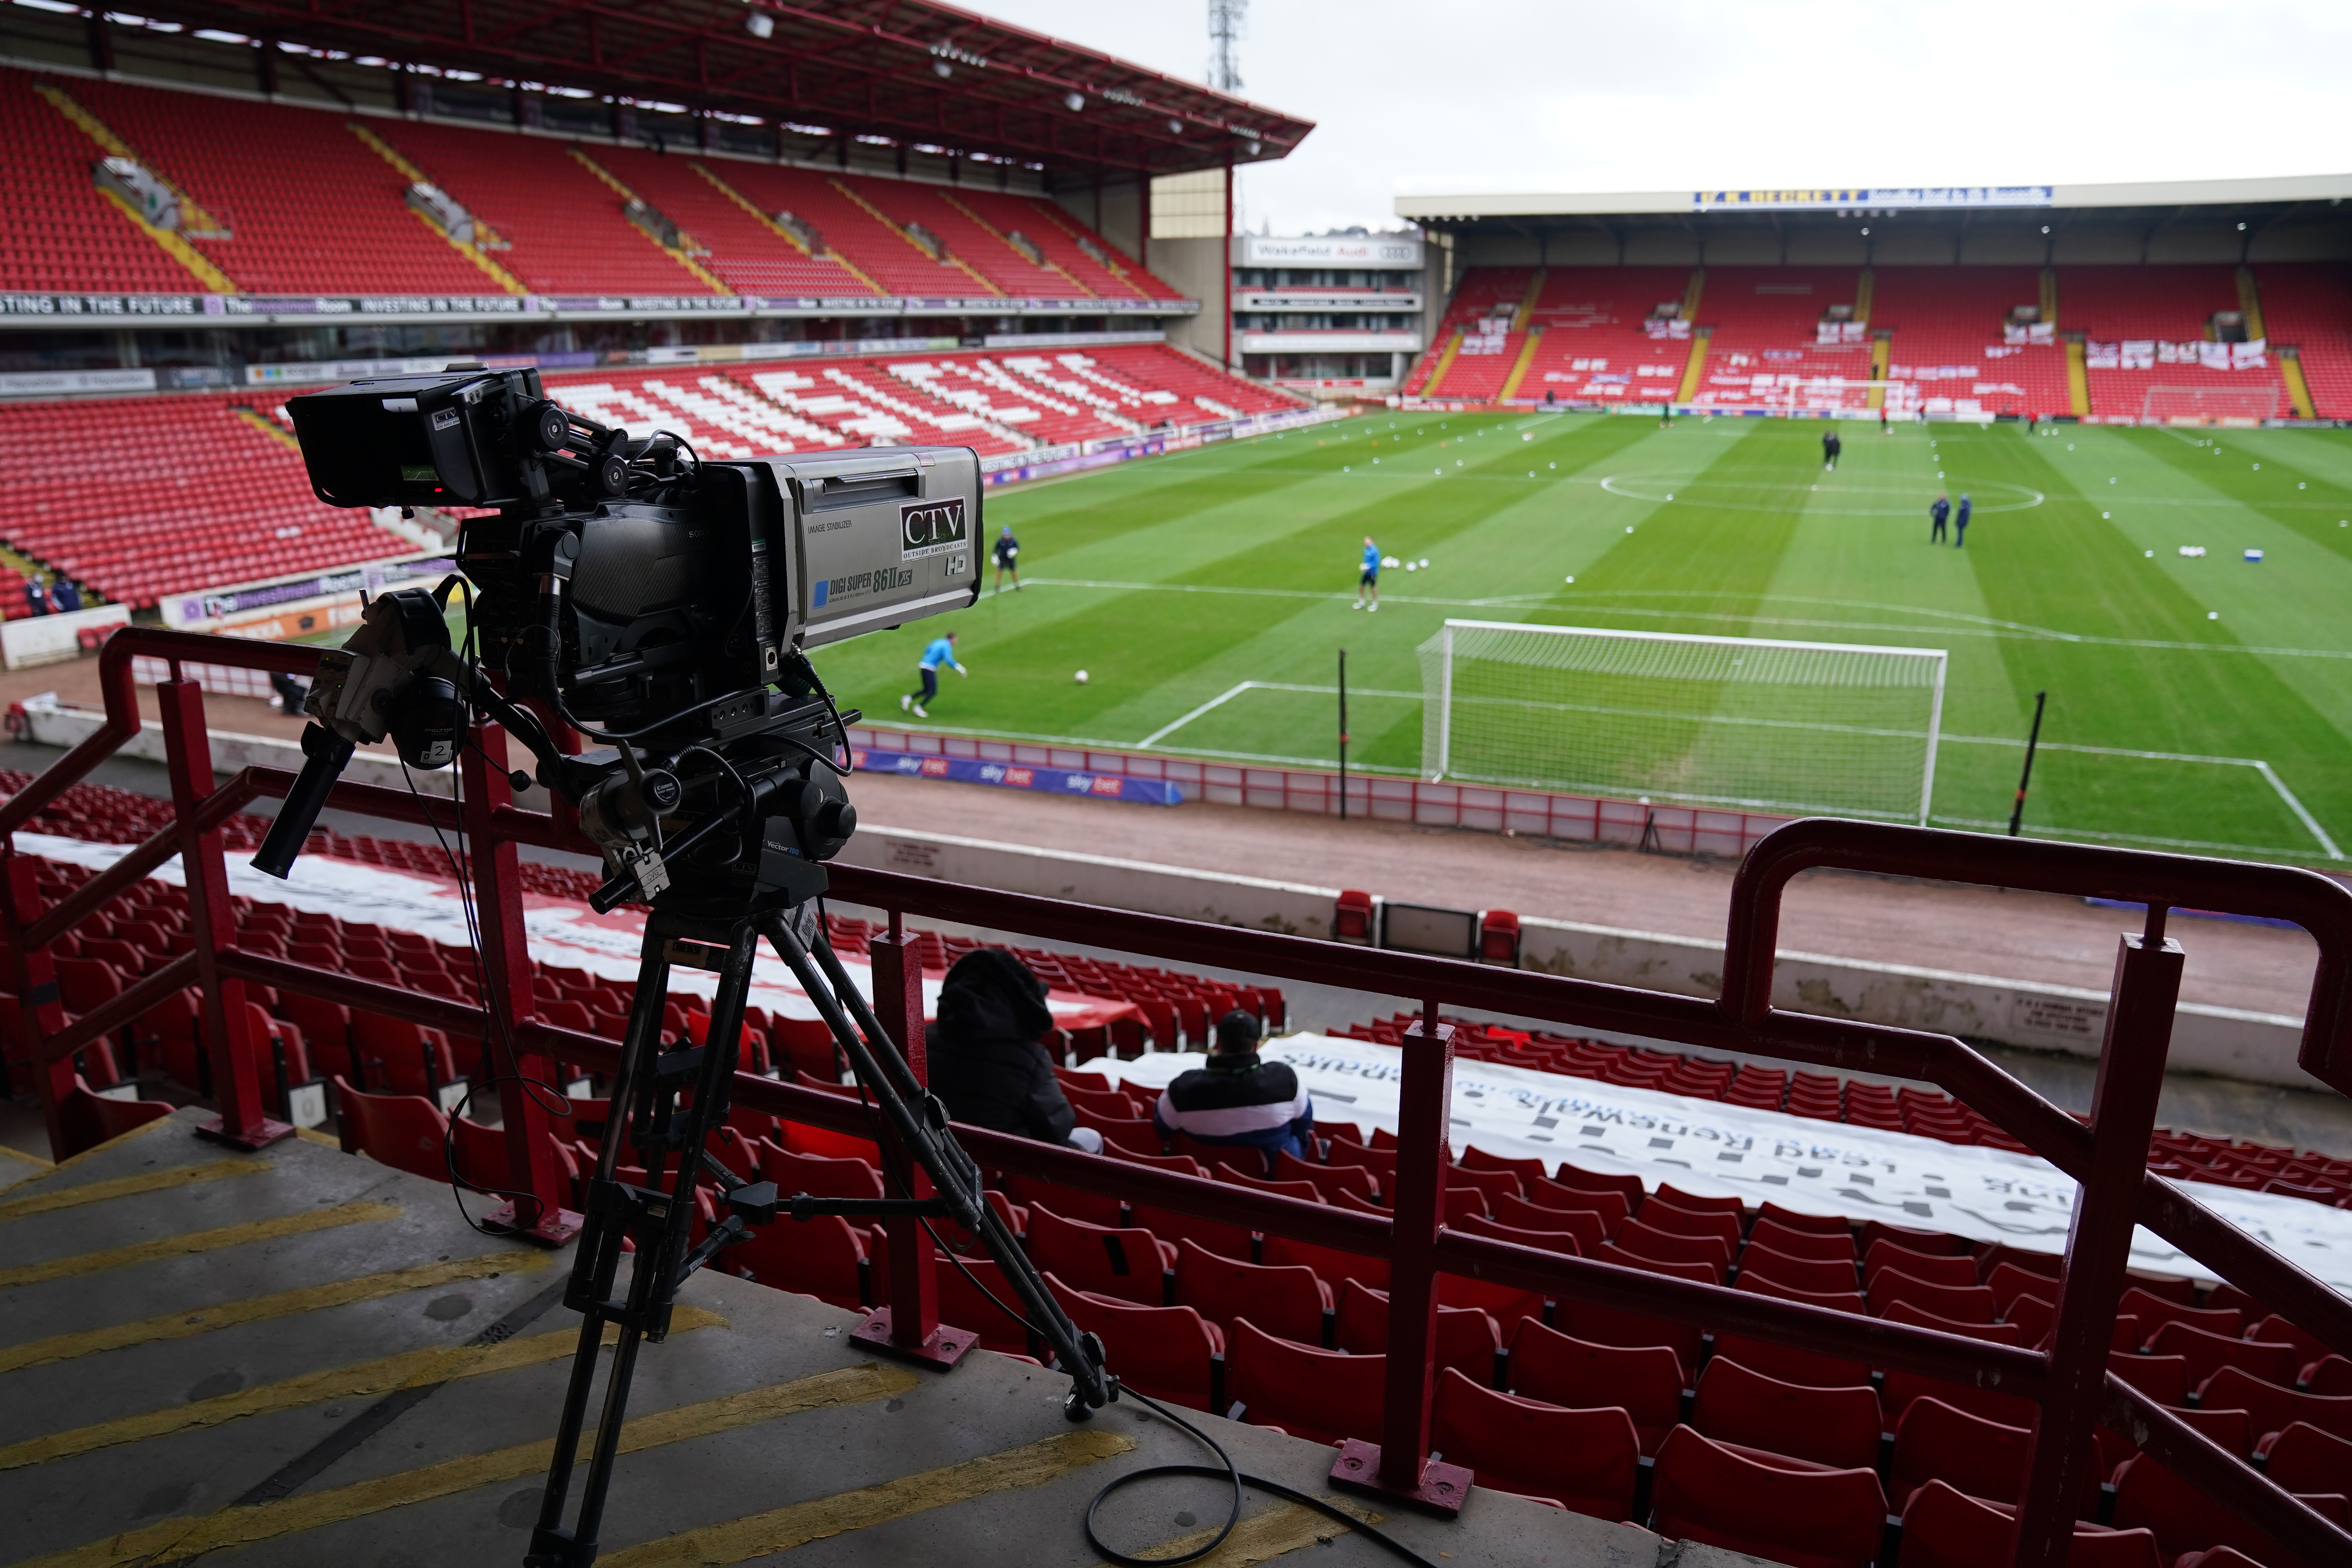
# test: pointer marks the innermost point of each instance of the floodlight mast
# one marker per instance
(1226, 20)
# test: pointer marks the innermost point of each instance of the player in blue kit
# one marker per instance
(941, 651)
(1368, 586)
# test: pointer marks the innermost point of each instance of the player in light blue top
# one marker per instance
(1368, 586)
(941, 651)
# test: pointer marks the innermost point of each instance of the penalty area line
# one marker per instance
(2328, 845)
(1213, 703)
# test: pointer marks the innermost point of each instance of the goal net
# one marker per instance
(2210, 405)
(1799, 727)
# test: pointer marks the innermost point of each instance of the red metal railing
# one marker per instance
(2069, 1383)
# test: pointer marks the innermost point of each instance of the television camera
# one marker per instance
(662, 607)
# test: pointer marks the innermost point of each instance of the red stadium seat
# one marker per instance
(1291, 1302)
(824, 1257)
(2207, 1353)
(1942, 1528)
(1324, 1396)
(2270, 1407)
(1805, 1273)
(1955, 1303)
(1938, 1442)
(1466, 1336)
(2303, 1458)
(1646, 1383)
(1835, 1428)
(816, 1175)
(1128, 1264)
(1168, 1353)
(1585, 1460)
(2149, 1496)
(1662, 1247)
(1805, 1518)
(404, 1132)
(1790, 1364)
(1934, 1268)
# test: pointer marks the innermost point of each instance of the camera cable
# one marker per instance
(1225, 1470)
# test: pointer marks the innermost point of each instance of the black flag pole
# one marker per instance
(1343, 734)
(2033, 741)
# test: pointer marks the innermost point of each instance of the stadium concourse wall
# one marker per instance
(2225, 1042)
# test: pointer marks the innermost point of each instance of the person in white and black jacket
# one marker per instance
(1236, 1098)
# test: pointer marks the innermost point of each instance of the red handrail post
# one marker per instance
(2098, 1246)
(535, 1212)
(908, 1327)
(212, 922)
(33, 975)
(1401, 1467)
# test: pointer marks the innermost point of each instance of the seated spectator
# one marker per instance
(1238, 1100)
(987, 1066)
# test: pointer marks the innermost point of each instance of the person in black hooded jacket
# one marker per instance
(986, 1064)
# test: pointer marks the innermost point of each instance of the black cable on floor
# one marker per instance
(1229, 1471)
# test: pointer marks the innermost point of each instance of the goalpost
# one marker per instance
(2210, 405)
(1839, 728)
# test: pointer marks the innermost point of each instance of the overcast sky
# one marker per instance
(1521, 95)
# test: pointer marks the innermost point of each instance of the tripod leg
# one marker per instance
(656, 1218)
(596, 1265)
(951, 1170)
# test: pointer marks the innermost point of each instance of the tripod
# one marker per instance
(667, 1101)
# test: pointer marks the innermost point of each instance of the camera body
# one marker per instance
(677, 583)
(657, 602)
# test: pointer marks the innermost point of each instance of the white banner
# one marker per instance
(560, 932)
(1723, 1150)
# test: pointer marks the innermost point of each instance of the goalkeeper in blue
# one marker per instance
(1368, 581)
(941, 651)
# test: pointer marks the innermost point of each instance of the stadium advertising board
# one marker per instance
(1377, 251)
(1324, 299)
(208, 608)
(1844, 197)
(24, 308)
(1008, 775)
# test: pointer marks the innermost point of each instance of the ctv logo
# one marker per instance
(931, 528)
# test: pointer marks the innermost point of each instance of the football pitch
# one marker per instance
(2198, 702)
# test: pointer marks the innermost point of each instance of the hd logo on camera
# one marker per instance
(931, 528)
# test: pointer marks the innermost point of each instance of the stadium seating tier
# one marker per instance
(306, 203)
(1772, 1450)
(57, 232)
(141, 496)
(267, 175)
(1950, 345)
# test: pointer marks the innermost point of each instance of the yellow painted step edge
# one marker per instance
(781, 232)
(1695, 366)
(1444, 364)
(878, 215)
(1051, 265)
(679, 254)
(1519, 366)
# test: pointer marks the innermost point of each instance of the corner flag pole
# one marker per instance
(2016, 811)
(1343, 734)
